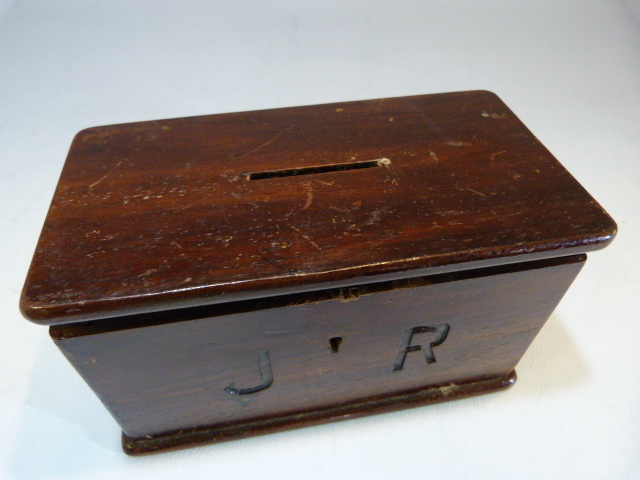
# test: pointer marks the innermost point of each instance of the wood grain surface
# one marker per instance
(168, 378)
(176, 213)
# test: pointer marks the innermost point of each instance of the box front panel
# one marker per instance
(365, 342)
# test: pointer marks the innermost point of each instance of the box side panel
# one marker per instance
(252, 365)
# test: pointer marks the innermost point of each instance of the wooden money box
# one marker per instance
(221, 276)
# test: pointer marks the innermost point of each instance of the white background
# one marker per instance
(570, 71)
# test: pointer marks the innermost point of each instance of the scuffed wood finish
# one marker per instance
(175, 213)
(229, 275)
(192, 437)
(165, 377)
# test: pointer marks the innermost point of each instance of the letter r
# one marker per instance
(441, 332)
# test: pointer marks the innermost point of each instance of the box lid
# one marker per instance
(173, 213)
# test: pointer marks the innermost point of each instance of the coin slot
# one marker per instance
(338, 167)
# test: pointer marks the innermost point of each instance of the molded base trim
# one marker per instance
(195, 436)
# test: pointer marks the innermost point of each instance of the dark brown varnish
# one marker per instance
(156, 215)
(157, 376)
(222, 276)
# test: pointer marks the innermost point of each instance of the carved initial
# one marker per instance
(441, 332)
(266, 376)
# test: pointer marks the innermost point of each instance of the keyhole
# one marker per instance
(334, 344)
